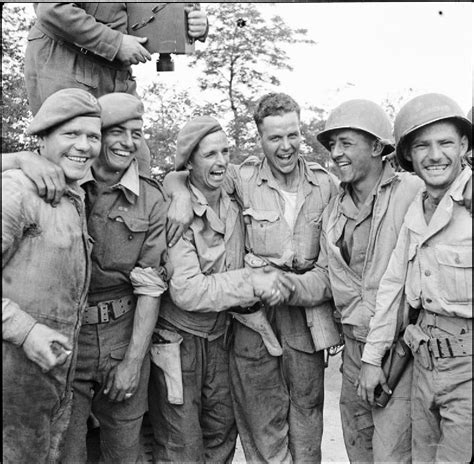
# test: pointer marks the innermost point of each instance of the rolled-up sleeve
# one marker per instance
(191, 290)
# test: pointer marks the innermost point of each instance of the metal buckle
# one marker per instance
(83, 50)
(103, 312)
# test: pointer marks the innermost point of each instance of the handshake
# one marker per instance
(273, 286)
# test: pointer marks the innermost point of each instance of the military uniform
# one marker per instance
(127, 223)
(278, 401)
(432, 265)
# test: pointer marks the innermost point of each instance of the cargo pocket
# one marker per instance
(455, 273)
(125, 237)
(85, 71)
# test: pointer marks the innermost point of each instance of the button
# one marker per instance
(457, 260)
(429, 300)
(427, 273)
(130, 237)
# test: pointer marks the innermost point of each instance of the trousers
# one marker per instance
(374, 434)
(278, 400)
(203, 428)
(101, 347)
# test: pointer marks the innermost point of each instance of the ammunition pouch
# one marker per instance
(166, 355)
(418, 342)
(323, 327)
(258, 322)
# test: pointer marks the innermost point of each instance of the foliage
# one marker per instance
(243, 53)
(15, 112)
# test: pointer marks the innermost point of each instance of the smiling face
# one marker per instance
(208, 163)
(73, 146)
(355, 155)
(280, 138)
(120, 145)
(435, 152)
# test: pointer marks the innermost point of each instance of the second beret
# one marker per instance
(119, 107)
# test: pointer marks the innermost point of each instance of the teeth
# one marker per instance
(121, 153)
(77, 159)
(440, 167)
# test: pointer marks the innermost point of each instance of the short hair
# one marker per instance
(274, 104)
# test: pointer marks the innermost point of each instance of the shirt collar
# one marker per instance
(265, 173)
(129, 183)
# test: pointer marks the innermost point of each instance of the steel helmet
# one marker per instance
(421, 111)
(363, 115)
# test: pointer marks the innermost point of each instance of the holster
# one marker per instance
(394, 364)
(166, 355)
(258, 322)
(323, 327)
(418, 342)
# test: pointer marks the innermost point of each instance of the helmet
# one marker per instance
(363, 115)
(424, 110)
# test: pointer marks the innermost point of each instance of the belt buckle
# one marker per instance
(103, 312)
(83, 50)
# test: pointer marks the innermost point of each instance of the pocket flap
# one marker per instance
(133, 223)
(301, 342)
(262, 214)
(118, 352)
(454, 256)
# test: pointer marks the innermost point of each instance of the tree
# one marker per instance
(243, 52)
(16, 115)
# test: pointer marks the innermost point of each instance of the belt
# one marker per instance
(450, 347)
(452, 324)
(104, 311)
(118, 66)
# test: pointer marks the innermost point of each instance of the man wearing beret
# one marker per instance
(126, 216)
(189, 398)
(46, 269)
(278, 397)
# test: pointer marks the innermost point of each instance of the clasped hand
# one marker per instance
(271, 285)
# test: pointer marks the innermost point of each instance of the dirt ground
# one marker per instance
(333, 449)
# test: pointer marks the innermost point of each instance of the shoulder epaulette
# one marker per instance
(154, 183)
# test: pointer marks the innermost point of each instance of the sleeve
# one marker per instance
(314, 287)
(191, 290)
(16, 323)
(149, 275)
(71, 22)
(389, 302)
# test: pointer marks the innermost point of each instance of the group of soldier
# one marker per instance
(211, 302)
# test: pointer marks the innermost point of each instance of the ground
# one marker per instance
(332, 446)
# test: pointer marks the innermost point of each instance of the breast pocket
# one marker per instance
(264, 231)
(455, 273)
(125, 237)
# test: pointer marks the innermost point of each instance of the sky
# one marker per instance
(364, 50)
(368, 50)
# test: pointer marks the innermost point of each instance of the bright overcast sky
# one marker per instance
(370, 50)
(366, 50)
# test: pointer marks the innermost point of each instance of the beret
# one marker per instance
(190, 136)
(119, 107)
(62, 106)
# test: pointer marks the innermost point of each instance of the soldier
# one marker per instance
(46, 269)
(432, 266)
(126, 219)
(278, 389)
(359, 231)
(86, 45)
(189, 394)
